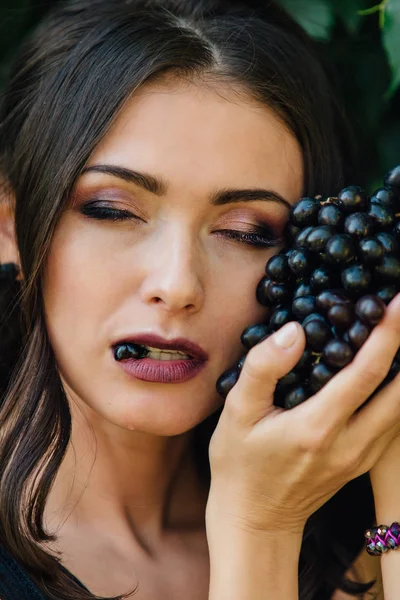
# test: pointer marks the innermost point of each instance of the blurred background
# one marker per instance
(359, 42)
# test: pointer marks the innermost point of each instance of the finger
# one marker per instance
(252, 396)
(348, 389)
(380, 415)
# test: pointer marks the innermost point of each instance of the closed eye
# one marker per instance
(105, 213)
(262, 238)
(259, 239)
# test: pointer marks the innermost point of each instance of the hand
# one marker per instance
(272, 468)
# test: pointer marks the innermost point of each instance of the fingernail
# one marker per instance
(286, 336)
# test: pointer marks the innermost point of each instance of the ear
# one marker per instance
(8, 244)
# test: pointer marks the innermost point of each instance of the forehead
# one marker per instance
(197, 134)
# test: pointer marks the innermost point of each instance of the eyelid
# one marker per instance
(110, 200)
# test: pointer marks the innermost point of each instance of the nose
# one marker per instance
(173, 279)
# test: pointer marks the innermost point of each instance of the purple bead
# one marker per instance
(395, 528)
(391, 543)
(371, 549)
(381, 547)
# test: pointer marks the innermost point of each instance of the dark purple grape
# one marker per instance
(394, 370)
(291, 231)
(241, 362)
(277, 269)
(340, 249)
(386, 195)
(322, 278)
(328, 298)
(352, 199)
(301, 262)
(279, 317)
(226, 381)
(288, 381)
(356, 279)
(370, 251)
(315, 316)
(278, 293)
(382, 215)
(253, 334)
(303, 306)
(358, 334)
(389, 270)
(387, 293)
(318, 333)
(337, 353)
(393, 177)
(319, 376)
(359, 225)
(296, 396)
(396, 230)
(305, 360)
(262, 291)
(303, 289)
(330, 214)
(388, 242)
(305, 212)
(300, 239)
(370, 309)
(318, 237)
(9, 271)
(341, 315)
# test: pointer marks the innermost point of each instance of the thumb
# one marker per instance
(252, 396)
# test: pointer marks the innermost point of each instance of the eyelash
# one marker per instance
(256, 239)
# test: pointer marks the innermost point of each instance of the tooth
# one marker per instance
(167, 356)
(168, 352)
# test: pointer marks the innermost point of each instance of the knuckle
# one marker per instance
(316, 442)
(372, 374)
(348, 464)
(257, 363)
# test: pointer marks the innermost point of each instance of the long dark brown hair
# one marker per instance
(68, 83)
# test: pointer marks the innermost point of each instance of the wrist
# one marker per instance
(253, 564)
(221, 515)
(385, 483)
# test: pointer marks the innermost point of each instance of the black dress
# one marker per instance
(15, 583)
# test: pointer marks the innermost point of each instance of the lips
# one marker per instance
(155, 341)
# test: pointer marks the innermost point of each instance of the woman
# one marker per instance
(150, 153)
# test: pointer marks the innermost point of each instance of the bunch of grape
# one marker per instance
(339, 269)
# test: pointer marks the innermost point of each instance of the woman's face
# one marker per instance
(175, 263)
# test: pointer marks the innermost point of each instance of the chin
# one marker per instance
(158, 411)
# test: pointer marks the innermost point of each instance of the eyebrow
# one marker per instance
(158, 186)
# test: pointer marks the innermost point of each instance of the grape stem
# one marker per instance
(318, 355)
(329, 200)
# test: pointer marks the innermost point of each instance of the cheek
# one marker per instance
(236, 306)
(76, 293)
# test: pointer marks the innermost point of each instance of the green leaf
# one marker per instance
(391, 41)
(316, 16)
(349, 11)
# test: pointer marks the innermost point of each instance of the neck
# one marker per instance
(126, 482)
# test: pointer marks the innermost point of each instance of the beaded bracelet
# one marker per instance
(383, 538)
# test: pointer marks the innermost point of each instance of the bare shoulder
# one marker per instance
(365, 568)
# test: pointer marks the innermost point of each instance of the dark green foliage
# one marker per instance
(360, 43)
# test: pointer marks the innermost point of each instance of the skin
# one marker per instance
(127, 493)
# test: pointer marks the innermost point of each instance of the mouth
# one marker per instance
(157, 348)
(152, 358)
